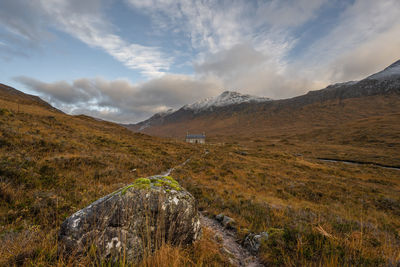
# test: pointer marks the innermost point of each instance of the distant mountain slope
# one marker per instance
(391, 72)
(227, 98)
(240, 113)
(207, 105)
(10, 94)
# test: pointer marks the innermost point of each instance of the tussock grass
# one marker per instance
(317, 213)
(52, 165)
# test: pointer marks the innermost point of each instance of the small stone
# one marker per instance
(253, 241)
(218, 238)
(220, 217)
(228, 222)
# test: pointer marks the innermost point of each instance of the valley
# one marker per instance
(274, 166)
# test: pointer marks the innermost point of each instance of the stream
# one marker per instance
(354, 162)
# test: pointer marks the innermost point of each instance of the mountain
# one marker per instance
(227, 98)
(156, 117)
(8, 93)
(234, 113)
(391, 72)
(268, 178)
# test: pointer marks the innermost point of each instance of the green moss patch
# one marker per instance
(140, 183)
(166, 182)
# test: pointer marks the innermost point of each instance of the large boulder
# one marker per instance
(133, 221)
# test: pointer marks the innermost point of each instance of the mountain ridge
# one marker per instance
(13, 95)
(225, 99)
(380, 84)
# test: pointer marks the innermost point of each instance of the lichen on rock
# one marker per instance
(166, 182)
(133, 220)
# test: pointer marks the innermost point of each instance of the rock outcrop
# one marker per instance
(132, 221)
(253, 241)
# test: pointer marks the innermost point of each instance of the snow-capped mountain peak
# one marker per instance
(391, 71)
(225, 99)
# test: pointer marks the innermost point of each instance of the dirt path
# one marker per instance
(239, 255)
(168, 172)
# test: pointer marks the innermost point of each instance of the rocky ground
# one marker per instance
(239, 256)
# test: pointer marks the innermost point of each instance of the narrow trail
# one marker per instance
(168, 172)
(239, 255)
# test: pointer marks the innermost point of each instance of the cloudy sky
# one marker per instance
(123, 60)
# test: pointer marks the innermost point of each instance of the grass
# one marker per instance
(316, 213)
(52, 165)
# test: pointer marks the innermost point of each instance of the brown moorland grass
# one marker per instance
(316, 213)
(53, 164)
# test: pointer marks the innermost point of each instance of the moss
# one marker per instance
(172, 180)
(123, 190)
(145, 183)
(140, 183)
(175, 187)
(166, 182)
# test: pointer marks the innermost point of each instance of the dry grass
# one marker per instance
(316, 213)
(52, 165)
(205, 252)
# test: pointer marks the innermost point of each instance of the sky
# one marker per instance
(124, 60)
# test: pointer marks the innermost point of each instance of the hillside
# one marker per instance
(315, 212)
(12, 95)
(53, 164)
(363, 114)
(378, 94)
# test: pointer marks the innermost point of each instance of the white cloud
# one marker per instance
(232, 45)
(243, 44)
(120, 100)
(213, 26)
(91, 28)
(247, 70)
(83, 20)
(365, 40)
(287, 13)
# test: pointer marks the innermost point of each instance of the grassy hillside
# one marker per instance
(263, 170)
(317, 213)
(53, 164)
(267, 179)
(368, 122)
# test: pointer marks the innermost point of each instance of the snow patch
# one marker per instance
(390, 72)
(225, 99)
